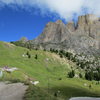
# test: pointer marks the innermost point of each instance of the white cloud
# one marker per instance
(63, 8)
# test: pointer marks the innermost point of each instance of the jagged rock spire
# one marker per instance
(87, 19)
(83, 38)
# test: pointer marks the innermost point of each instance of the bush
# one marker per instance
(80, 75)
(89, 75)
(28, 54)
(36, 57)
(71, 74)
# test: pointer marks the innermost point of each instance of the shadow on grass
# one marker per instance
(39, 93)
(68, 92)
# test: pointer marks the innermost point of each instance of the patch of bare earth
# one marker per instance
(14, 91)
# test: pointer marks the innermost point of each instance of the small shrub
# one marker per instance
(36, 57)
(28, 54)
(71, 74)
(80, 75)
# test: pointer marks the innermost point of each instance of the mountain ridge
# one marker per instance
(82, 37)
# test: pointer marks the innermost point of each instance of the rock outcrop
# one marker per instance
(81, 38)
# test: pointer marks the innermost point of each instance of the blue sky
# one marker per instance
(27, 18)
(15, 24)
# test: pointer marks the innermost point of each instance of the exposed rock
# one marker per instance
(71, 26)
(59, 22)
(53, 32)
(87, 20)
(84, 38)
(23, 39)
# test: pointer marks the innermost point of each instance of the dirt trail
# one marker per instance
(14, 91)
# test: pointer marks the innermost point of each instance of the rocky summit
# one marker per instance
(83, 37)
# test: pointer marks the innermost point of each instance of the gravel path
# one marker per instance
(85, 98)
(14, 91)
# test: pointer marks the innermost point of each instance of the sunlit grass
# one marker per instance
(49, 69)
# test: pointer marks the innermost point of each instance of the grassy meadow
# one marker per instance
(49, 69)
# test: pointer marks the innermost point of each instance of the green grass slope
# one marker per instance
(48, 69)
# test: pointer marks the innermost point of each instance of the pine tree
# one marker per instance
(28, 54)
(71, 74)
(36, 57)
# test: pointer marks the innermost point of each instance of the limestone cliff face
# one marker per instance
(89, 25)
(53, 32)
(84, 37)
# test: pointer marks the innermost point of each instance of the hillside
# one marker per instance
(47, 68)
